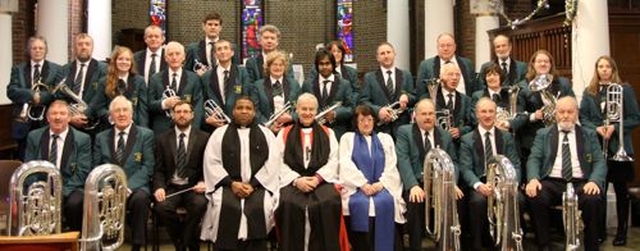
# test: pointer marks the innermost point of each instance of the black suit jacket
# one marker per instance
(166, 151)
(140, 58)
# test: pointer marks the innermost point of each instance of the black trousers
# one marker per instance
(73, 205)
(478, 222)
(365, 241)
(551, 195)
(415, 225)
(138, 213)
(184, 234)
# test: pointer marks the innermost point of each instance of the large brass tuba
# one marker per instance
(34, 112)
(615, 114)
(541, 84)
(35, 200)
(77, 108)
(571, 218)
(105, 200)
(439, 187)
(502, 208)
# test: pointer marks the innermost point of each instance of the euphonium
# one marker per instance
(502, 207)
(30, 111)
(35, 200)
(439, 187)
(197, 65)
(541, 84)
(277, 114)
(571, 218)
(79, 107)
(394, 109)
(211, 108)
(168, 93)
(321, 117)
(105, 199)
(615, 113)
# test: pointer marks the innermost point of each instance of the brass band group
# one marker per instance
(336, 162)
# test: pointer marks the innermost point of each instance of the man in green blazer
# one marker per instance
(70, 151)
(457, 104)
(203, 51)
(413, 142)
(561, 154)
(512, 69)
(130, 147)
(430, 68)
(186, 85)
(476, 148)
(269, 41)
(385, 86)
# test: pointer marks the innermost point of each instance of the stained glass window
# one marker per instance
(345, 28)
(252, 20)
(157, 14)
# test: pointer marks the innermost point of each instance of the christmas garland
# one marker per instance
(571, 7)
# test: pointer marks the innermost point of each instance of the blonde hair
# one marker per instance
(272, 57)
(592, 89)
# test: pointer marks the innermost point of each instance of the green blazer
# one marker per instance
(136, 92)
(517, 122)
(471, 155)
(189, 89)
(462, 111)
(236, 86)
(340, 91)
(260, 93)
(138, 162)
(545, 149)
(96, 70)
(411, 153)
(76, 162)
(430, 68)
(591, 116)
(197, 50)
(256, 71)
(375, 94)
(348, 73)
(517, 71)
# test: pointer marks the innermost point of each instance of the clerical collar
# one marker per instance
(304, 126)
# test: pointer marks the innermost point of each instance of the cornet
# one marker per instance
(541, 84)
(395, 110)
(30, 111)
(615, 113)
(502, 207)
(321, 117)
(277, 114)
(168, 93)
(79, 107)
(197, 65)
(211, 108)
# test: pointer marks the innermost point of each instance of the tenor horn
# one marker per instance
(35, 200)
(502, 207)
(541, 84)
(615, 113)
(104, 209)
(571, 218)
(78, 107)
(439, 187)
(211, 108)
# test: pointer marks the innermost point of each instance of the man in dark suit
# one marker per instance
(565, 153)
(223, 84)
(413, 142)
(70, 151)
(185, 84)
(24, 77)
(430, 68)
(385, 86)
(476, 149)
(458, 104)
(512, 69)
(269, 41)
(130, 147)
(82, 76)
(204, 50)
(151, 60)
(179, 155)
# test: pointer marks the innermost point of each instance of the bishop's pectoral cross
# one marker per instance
(307, 153)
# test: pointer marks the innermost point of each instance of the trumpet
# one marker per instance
(277, 114)
(571, 218)
(79, 107)
(211, 108)
(29, 111)
(502, 208)
(168, 93)
(197, 66)
(439, 187)
(615, 113)
(395, 110)
(321, 117)
(541, 84)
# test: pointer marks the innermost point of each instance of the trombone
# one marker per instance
(615, 113)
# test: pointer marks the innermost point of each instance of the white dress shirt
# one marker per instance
(556, 170)
(59, 145)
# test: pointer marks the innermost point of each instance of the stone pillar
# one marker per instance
(398, 31)
(53, 17)
(589, 40)
(99, 27)
(6, 61)
(438, 18)
(484, 22)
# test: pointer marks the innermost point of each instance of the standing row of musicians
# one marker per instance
(149, 105)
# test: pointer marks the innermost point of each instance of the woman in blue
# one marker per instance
(593, 110)
(372, 190)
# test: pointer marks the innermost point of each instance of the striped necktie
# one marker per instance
(390, 84)
(53, 150)
(427, 143)
(567, 170)
(488, 148)
(36, 74)
(152, 66)
(77, 83)
(182, 156)
(120, 148)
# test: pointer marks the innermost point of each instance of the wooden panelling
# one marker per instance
(7, 144)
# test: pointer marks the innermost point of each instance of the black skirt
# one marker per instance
(620, 171)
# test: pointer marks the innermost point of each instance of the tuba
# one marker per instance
(615, 113)
(395, 110)
(211, 108)
(571, 218)
(541, 84)
(35, 200)
(502, 208)
(105, 199)
(34, 112)
(79, 107)
(285, 108)
(321, 117)
(439, 187)
(168, 93)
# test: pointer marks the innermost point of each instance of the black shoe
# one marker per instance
(620, 240)
(135, 247)
(601, 239)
